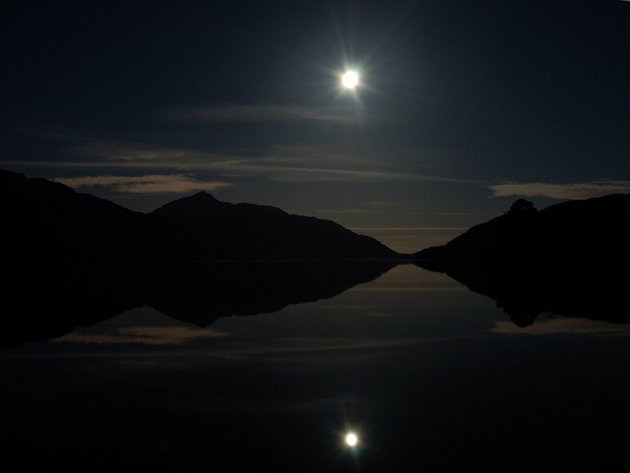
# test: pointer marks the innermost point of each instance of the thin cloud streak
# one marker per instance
(305, 166)
(563, 326)
(144, 335)
(575, 191)
(262, 113)
(150, 184)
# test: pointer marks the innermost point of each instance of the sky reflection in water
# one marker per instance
(429, 373)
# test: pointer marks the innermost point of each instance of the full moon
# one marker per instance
(350, 79)
(351, 439)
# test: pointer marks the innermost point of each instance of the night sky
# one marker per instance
(462, 106)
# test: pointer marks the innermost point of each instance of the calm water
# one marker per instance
(429, 375)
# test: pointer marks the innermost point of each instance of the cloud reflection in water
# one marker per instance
(146, 335)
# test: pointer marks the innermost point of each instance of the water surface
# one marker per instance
(430, 375)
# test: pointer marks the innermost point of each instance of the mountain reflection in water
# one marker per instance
(581, 290)
(46, 302)
(428, 374)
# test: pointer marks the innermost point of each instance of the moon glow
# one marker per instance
(350, 79)
(351, 439)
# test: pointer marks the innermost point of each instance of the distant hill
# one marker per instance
(569, 259)
(40, 302)
(47, 220)
(200, 226)
(201, 293)
(524, 291)
(594, 232)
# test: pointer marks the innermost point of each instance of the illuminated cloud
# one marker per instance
(150, 184)
(293, 164)
(145, 335)
(563, 326)
(130, 154)
(262, 113)
(585, 190)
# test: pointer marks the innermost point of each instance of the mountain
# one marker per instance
(46, 301)
(46, 220)
(202, 227)
(526, 291)
(201, 293)
(570, 259)
(592, 232)
(73, 259)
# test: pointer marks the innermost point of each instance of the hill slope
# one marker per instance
(590, 230)
(48, 220)
(568, 259)
(201, 226)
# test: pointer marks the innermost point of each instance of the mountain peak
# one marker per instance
(190, 207)
(204, 195)
(195, 228)
(588, 231)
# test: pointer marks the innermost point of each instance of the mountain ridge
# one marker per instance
(578, 230)
(48, 220)
(569, 259)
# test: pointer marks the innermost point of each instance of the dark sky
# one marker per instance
(462, 106)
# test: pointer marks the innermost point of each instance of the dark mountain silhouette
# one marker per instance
(525, 292)
(39, 303)
(49, 221)
(569, 259)
(200, 296)
(73, 259)
(201, 227)
(594, 232)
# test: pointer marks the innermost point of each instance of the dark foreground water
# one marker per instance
(430, 376)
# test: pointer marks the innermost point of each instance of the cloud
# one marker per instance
(563, 326)
(342, 211)
(293, 164)
(262, 113)
(150, 184)
(338, 347)
(138, 154)
(146, 335)
(562, 191)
